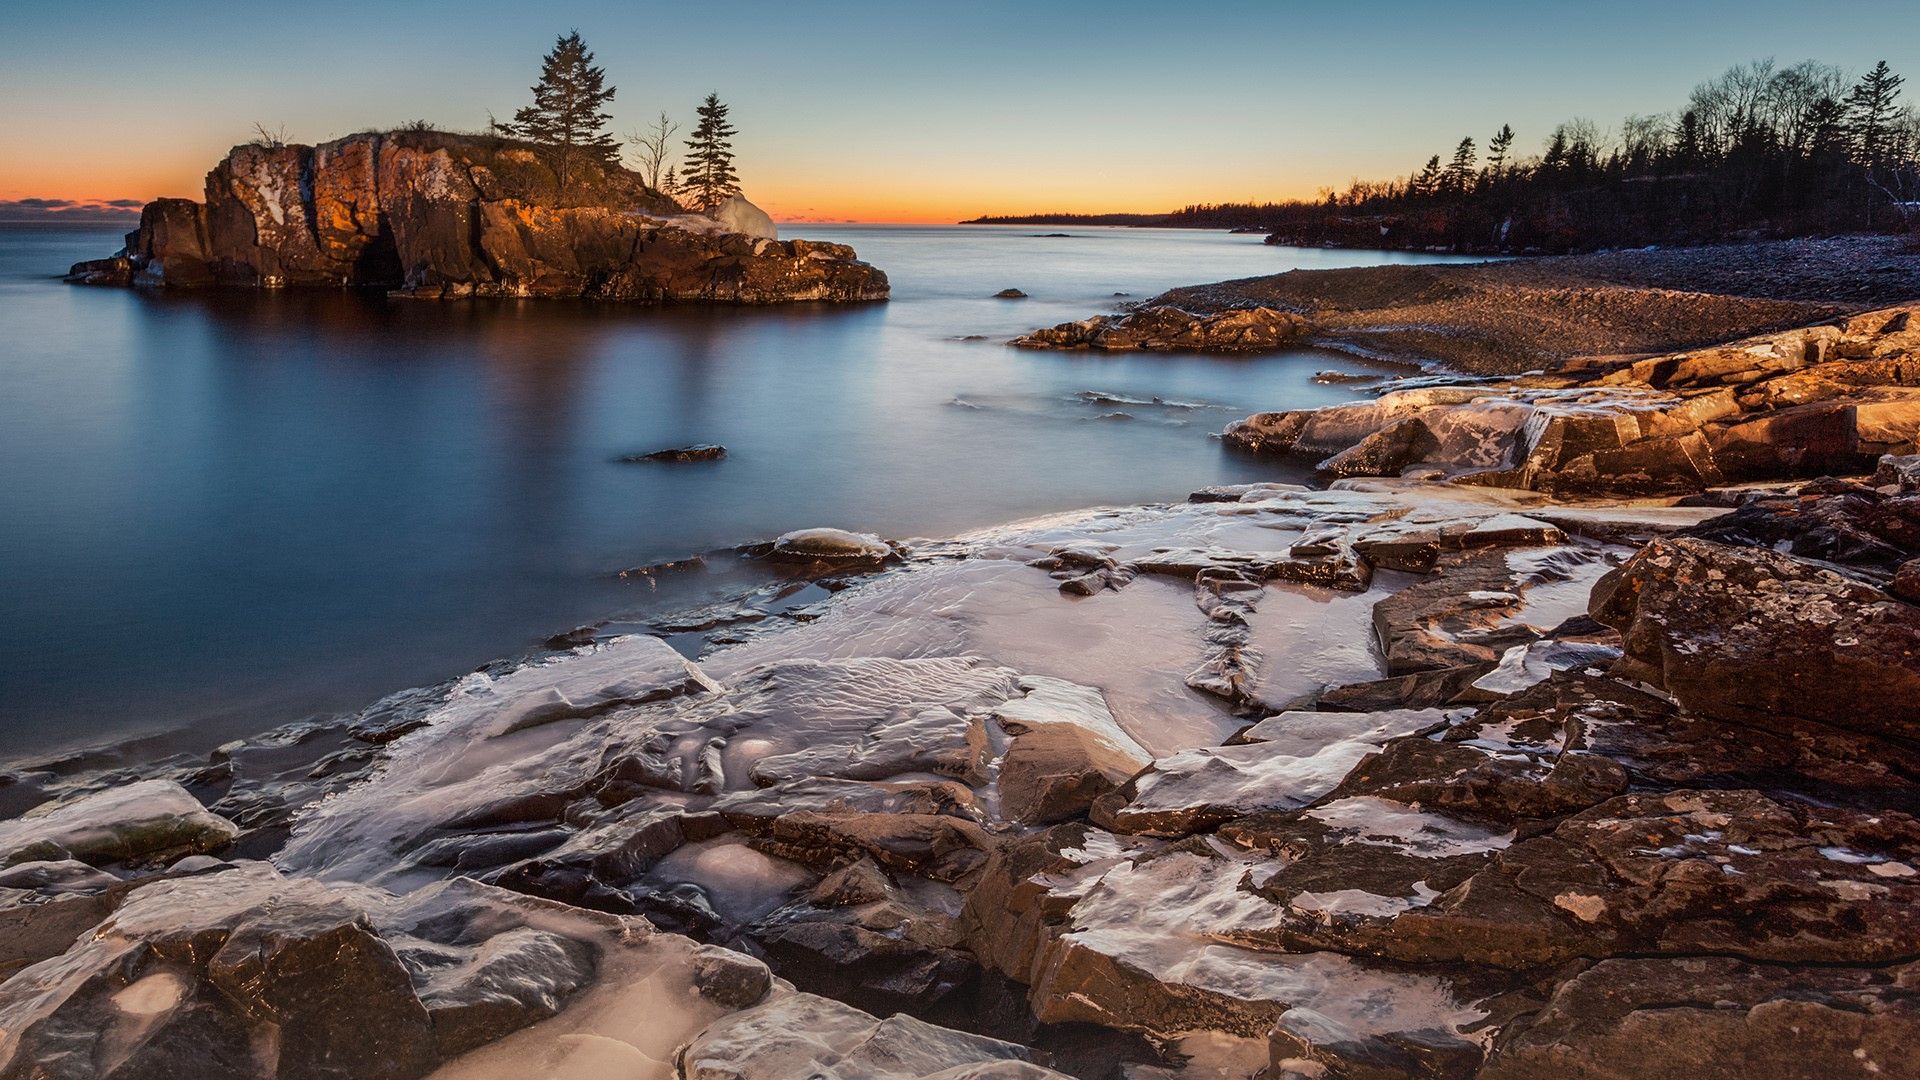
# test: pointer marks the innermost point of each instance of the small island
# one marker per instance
(541, 207)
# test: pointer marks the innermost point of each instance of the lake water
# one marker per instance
(222, 512)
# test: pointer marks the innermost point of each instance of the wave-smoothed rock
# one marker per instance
(436, 215)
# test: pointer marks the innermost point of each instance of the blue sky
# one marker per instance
(896, 111)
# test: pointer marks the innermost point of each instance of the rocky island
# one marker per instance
(440, 215)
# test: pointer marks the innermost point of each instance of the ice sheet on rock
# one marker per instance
(1555, 582)
(1213, 783)
(802, 1035)
(642, 1006)
(128, 822)
(1522, 666)
(1298, 732)
(472, 754)
(1365, 819)
(742, 883)
(1136, 645)
(866, 717)
(1166, 916)
(1306, 638)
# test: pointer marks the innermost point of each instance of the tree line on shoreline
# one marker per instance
(1760, 150)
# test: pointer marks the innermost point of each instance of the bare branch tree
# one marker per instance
(650, 149)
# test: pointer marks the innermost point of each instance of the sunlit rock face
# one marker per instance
(1823, 400)
(438, 215)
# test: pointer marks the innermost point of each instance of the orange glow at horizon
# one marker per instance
(95, 177)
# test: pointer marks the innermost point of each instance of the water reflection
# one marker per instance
(229, 510)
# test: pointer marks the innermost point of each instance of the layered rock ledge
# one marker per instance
(1824, 399)
(436, 215)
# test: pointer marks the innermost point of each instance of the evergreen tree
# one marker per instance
(1497, 148)
(1460, 171)
(565, 119)
(1688, 147)
(1870, 114)
(710, 179)
(1427, 180)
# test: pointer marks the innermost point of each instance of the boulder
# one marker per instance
(152, 820)
(1749, 635)
(238, 974)
(831, 545)
(1067, 751)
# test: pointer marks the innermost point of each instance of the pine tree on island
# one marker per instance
(709, 179)
(566, 120)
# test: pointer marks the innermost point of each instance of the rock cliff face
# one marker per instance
(438, 215)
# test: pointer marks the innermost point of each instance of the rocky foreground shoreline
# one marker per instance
(1505, 754)
(434, 215)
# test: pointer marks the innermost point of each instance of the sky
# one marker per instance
(898, 111)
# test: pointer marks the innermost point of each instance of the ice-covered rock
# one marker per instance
(802, 1035)
(831, 545)
(148, 820)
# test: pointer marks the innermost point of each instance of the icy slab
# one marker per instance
(796, 1035)
(1365, 819)
(1299, 762)
(477, 749)
(1146, 952)
(1301, 733)
(1526, 665)
(137, 821)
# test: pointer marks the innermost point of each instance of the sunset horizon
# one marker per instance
(1118, 122)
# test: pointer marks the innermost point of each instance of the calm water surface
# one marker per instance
(221, 513)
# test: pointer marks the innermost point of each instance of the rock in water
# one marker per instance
(1009, 294)
(679, 454)
(1168, 328)
(738, 215)
(831, 545)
